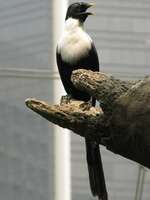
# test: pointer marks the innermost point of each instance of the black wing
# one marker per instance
(93, 58)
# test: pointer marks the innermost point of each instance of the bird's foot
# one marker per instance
(86, 106)
(65, 99)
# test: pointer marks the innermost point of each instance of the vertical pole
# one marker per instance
(62, 171)
(140, 183)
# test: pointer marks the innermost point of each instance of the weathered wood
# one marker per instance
(130, 123)
(75, 115)
(123, 123)
(105, 88)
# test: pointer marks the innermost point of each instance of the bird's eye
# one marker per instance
(82, 7)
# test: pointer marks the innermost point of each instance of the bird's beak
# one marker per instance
(86, 6)
(89, 5)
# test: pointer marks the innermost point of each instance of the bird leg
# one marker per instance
(86, 105)
(65, 99)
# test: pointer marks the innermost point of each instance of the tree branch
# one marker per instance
(123, 123)
(105, 88)
(75, 115)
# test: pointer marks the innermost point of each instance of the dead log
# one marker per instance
(122, 123)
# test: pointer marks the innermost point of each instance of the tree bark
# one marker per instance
(122, 123)
(105, 88)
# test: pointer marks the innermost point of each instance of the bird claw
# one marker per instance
(65, 99)
(86, 106)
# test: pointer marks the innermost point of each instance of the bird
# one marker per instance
(76, 50)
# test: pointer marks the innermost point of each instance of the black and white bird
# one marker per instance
(76, 50)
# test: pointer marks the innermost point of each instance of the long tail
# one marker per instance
(95, 168)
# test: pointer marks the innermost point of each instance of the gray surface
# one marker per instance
(25, 36)
(26, 142)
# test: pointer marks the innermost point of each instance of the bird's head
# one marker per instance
(79, 11)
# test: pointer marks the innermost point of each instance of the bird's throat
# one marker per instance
(75, 43)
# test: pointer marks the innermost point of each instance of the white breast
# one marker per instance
(74, 43)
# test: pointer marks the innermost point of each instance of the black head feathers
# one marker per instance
(78, 11)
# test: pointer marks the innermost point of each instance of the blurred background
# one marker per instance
(38, 161)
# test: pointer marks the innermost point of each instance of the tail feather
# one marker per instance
(95, 168)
